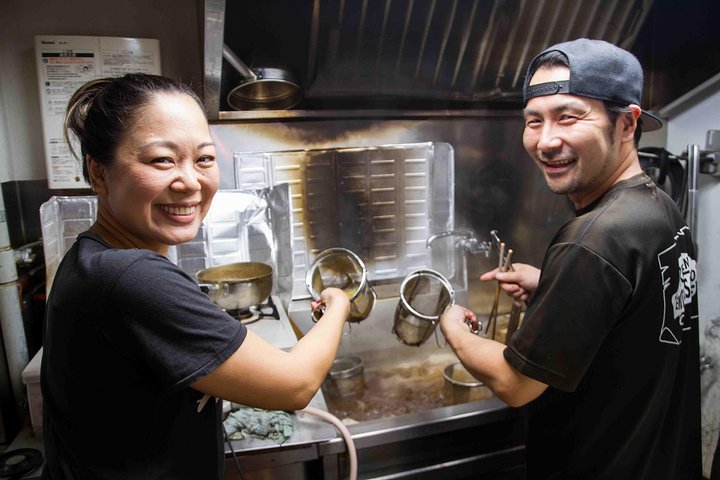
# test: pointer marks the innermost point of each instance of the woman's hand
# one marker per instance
(334, 299)
(519, 284)
(261, 375)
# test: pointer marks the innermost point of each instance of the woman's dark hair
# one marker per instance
(100, 112)
(612, 110)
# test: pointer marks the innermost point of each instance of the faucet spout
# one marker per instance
(468, 241)
(455, 233)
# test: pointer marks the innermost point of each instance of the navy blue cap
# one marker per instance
(598, 70)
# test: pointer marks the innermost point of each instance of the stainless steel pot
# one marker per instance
(461, 387)
(345, 377)
(262, 88)
(237, 286)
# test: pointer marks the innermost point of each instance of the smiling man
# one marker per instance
(607, 355)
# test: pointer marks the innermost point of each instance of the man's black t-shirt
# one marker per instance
(127, 331)
(613, 330)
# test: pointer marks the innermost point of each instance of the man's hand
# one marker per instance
(519, 284)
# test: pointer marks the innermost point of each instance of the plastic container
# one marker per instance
(62, 218)
(31, 379)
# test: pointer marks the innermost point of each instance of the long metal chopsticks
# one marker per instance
(504, 265)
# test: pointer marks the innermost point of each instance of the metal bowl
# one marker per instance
(237, 286)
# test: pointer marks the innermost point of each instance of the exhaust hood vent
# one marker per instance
(417, 54)
(454, 50)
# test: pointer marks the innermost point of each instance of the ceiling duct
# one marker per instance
(409, 53)
(450, 49)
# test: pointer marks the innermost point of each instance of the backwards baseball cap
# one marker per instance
(598, 70)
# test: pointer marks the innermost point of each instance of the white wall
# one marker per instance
(687, 127)
(174, 22)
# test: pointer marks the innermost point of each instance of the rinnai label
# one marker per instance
(64, 63)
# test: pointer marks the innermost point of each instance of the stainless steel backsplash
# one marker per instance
(495, 184)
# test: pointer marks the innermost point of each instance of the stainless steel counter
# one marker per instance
(454, 442)
(264, 458)
(484, 438)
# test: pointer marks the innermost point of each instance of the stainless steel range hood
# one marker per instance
(405, 54)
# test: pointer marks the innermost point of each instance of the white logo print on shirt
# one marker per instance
(679, 278)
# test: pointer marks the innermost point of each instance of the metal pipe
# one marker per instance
(13, 330)
(486, 43)
(444, 42)
(571, 20)
(426, 33)
(403, 38)
(312, 50)
(386, 15)
(636, 25)
(501, 75)
(15, 353)
(532, 31)
(360, 31)
(604, 22)
(589, 18)
(693, 166)
(626, 8)
(464, 43)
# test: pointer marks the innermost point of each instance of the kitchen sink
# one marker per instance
(399, 379)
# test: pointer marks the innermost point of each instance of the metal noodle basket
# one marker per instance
(424, 296)
(343, 269)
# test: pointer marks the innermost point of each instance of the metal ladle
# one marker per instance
(262, 88)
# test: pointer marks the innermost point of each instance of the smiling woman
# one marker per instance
(160, 347)
(163, 178)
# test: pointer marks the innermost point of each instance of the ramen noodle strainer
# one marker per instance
(343, 269)
(424, 296)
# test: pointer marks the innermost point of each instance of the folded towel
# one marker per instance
(247, 422)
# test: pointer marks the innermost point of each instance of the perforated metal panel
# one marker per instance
(381, 202)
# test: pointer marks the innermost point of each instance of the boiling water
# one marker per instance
(395, 390)
(399, 379)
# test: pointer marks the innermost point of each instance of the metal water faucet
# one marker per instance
(706, 363)
(468, 241)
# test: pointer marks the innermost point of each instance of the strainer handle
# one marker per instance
(317, 313)
(437, 340)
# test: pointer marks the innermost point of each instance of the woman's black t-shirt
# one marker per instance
(126, 332)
